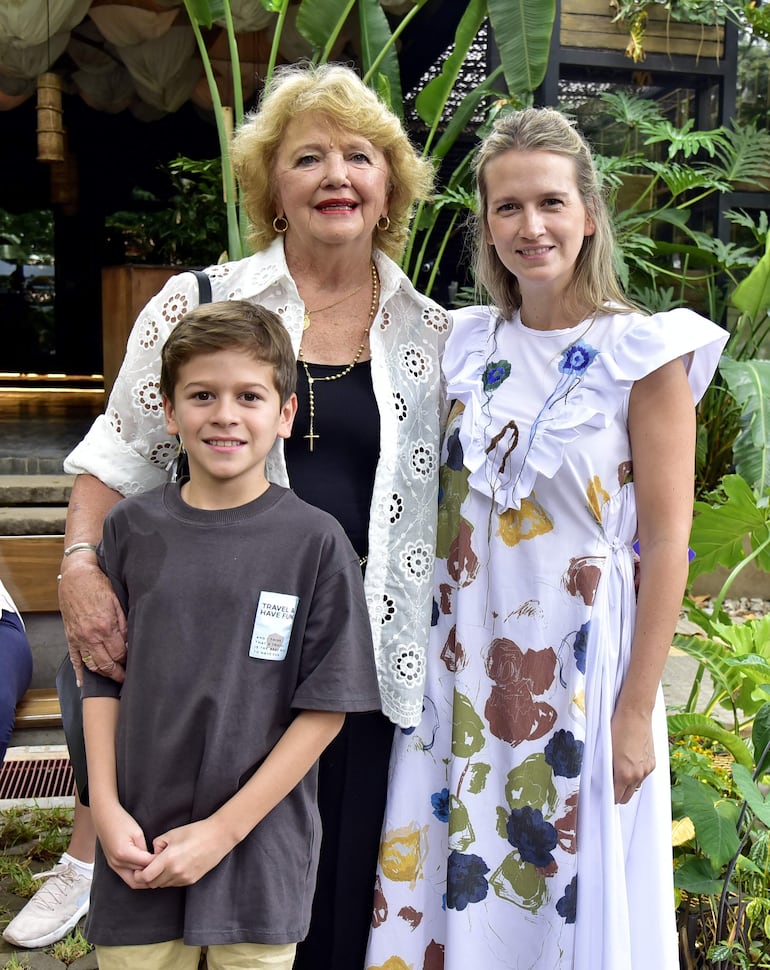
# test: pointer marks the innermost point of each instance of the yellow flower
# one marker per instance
(597, 495)
(392, 963)
(403, 852)
(525, 523)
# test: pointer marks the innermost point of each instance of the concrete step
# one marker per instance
(33, 521)
(34, 504)
(35, 489)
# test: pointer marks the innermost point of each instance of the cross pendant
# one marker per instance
(311, 438)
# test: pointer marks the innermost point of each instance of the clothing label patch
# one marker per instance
(272, 626)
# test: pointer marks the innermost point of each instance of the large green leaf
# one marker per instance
(743, 152)
(431, 101)
(713, 818)
(461, 118)
(376, 38)
(749, 383)
(752, 294)
(523, 37)
(697, 876)
(760, 739)
(205, 12)
(320, 21)
(751, 793)
(718, 530)
(706, 727)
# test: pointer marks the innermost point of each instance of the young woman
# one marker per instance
(527, 825)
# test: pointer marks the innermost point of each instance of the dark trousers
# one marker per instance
(352, 782)
(15, 672)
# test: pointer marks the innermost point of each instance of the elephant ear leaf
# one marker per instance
(749, 384)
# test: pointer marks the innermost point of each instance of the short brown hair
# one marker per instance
(337, 93)
(228, 325)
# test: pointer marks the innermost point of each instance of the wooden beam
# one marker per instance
(29, 566)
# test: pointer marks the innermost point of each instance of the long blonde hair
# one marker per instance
(594, 282)
(336, 93)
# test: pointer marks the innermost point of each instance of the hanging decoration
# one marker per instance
(50, 123)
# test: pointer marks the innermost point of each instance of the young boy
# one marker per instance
(248, 637)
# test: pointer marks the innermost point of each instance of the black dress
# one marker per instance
(338, 476)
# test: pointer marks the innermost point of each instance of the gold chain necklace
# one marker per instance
(312, 436)
(320, 309)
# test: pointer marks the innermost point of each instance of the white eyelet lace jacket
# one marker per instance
(129, 449)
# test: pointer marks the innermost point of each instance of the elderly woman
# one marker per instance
(328, 179)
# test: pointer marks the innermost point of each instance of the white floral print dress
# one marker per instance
(492, 824)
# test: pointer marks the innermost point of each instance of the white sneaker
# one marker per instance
(54, 909)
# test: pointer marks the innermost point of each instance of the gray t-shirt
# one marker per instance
(213, 679)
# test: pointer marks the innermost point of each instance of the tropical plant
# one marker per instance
(708, 13)
(185, 227)
(722, 846)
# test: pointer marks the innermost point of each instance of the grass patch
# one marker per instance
(71, 948)
(47, 830)
(16, 876)
(15, 964)
(33, 838)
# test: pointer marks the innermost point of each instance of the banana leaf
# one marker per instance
(523, 37)
(749, 383)
(752, 295)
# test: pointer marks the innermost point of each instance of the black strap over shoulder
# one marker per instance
(204, 285)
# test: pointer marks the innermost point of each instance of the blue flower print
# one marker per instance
(529, 832)
(580, 646)
(564, 753)
(466, 882)
(576, 358)
(495, 373)
(440, 802)
(567, 905)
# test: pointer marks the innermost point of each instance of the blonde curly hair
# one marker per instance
(338, 94)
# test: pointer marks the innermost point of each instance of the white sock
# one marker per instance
(84, 868)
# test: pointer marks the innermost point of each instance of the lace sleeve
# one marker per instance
(128, 447)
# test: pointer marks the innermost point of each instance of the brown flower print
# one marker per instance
(380, 911)
(453, 654)
(511, 709)
(463, 563)
(566, 826)
(582, 577)
(625, 473)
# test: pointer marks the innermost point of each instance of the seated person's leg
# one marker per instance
(15, 672)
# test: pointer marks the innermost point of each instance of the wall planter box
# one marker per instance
(125, 290)
(588, 24)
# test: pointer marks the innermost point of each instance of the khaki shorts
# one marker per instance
(174, 955)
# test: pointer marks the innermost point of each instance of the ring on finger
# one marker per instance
(87, 658)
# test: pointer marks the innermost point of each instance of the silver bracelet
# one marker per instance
(78, 546)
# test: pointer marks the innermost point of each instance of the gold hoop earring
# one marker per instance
(280, 224)
(383, 223)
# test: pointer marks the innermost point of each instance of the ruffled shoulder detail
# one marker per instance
(592, 380)
(467, 349)
(649, 342)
